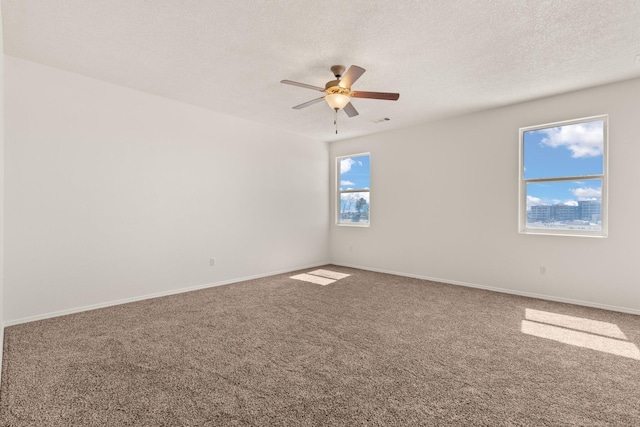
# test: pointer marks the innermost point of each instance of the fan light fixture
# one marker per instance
(337, 101)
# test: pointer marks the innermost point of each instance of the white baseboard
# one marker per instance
(495, 289)
(1, 349)
(273, 273)
(154, 295)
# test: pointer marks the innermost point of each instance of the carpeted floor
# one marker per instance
(368, 349)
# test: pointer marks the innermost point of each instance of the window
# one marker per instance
(563, 178)
(353, 190)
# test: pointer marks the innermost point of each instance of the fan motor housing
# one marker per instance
(334, 87)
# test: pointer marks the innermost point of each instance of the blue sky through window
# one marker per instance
(354, 173)
(562, 151)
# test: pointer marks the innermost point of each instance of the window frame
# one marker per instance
(522, 187)
(339, 191)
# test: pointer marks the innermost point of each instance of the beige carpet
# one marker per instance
(369, 349)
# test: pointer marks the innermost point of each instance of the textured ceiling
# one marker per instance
(445, 58)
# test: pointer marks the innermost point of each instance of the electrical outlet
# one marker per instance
(543, 270)
(212, 262)
(350, 248)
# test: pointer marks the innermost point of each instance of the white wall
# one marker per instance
(427, 179)
(112, 194)
(1, 193)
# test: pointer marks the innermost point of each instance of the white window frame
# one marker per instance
(339, 191)
(522, 197)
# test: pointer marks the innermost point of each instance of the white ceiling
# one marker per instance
(445, 58)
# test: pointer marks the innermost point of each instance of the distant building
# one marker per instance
(587, 210)
(540, 213)
(565, 212)
(590, 210)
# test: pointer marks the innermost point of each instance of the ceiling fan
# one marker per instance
(338, 92)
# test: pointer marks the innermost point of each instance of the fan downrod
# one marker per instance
(338, 71)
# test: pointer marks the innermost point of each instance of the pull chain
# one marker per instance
(335, 120)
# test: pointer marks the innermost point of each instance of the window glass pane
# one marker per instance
(354, 173)
(565, 205)
(354, 207)
(569, 150)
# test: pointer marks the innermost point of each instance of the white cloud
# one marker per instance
(344, 182)
(570, 203)
(582, 139)
(345, 165)
(533, 201)
(587, 193)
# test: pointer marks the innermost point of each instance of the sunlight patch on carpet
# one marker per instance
(586, 333)
(313, 279)
(586, 325)
(320, 277)
(329, 274)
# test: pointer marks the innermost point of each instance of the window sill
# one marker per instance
(563, 233)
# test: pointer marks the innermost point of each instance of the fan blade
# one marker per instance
(306, 104)
(289, 82)
(353, 73)
(377, 95)
(350, 110)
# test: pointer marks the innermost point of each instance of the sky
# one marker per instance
(354, 173)
(570, 150)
